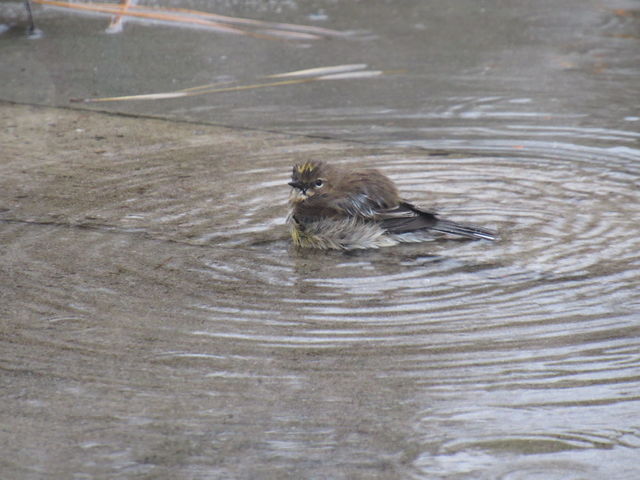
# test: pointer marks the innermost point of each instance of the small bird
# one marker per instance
(338, 208)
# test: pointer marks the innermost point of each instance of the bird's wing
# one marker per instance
(367, 194)
(359, 205)
(406, 218)
(401, 218)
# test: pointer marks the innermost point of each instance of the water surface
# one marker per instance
(156, 322)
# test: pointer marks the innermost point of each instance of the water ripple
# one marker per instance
(204, 284)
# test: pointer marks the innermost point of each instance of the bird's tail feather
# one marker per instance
(469, 231)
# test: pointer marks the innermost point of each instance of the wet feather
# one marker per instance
(333, 208)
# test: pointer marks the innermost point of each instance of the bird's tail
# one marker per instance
(468, 231)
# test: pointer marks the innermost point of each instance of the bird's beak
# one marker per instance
(297, 185)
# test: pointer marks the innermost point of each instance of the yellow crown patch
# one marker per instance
(306, 167)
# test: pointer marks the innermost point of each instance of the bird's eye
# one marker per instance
(319, 183)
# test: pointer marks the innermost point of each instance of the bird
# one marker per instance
(336, 207)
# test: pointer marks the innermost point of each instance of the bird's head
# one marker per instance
(309, 179)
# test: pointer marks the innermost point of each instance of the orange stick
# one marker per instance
(115, 9)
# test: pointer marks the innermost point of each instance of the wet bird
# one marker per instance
(338, 208)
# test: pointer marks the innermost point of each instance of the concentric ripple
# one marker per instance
(165, 274)
(151, 284)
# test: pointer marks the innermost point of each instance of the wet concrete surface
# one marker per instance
(156, 323)
(59, 166)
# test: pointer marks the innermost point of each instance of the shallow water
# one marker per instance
(156, 322)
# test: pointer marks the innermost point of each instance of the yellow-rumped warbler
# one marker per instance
(339, 208)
